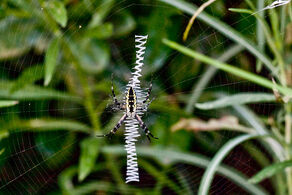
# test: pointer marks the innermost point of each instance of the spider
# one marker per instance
(130, 106)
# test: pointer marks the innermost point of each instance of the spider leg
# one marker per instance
(144, 127)
(116, 103)
(117, 106)
(148, 93)
(114, 130)
(145, 107)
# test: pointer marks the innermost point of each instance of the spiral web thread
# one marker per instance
(132, 125)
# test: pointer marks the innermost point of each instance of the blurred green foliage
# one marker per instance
(56, 58)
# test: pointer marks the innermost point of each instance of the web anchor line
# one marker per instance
(131, 124)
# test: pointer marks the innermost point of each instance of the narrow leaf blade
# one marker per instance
(229, 68)
(225, 30)
(33, 92)
(28, 76)
(102, 31)
(47, 124)
(238, 99)
(270, 171)
(89, 153)
(214, 164)
(168, 156)
(7, 103)
(57, 11)
(51, 60)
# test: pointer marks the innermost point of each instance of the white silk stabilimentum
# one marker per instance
(131, 124)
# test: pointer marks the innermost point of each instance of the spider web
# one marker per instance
(33, 160)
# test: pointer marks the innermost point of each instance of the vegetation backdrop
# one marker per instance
(222, 108)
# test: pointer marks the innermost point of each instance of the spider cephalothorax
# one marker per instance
(130, 107)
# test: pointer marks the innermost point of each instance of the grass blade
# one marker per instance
(237, 99)
(275, 149)
(225, 30)
(229, 68)
(169, 156)
(208, 75)
(260, 33)
(27, 77)
(214, 164)
(270, 171)
(7, 103)
(33, 92)
(47, 124)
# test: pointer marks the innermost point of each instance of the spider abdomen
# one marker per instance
(131, 103)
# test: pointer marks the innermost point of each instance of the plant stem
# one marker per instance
(260, 34)
(288, 142)
(272, 44)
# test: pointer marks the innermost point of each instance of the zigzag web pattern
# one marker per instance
(132, 125)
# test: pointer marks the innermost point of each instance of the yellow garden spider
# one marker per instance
(130, 107)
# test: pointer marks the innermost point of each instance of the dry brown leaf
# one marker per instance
(279, 98)
(223, 123)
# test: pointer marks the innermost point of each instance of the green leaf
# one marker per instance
(56, 147)
(249, 117)
(51, 60)
(270, 171)
(32, 92)
(229, 68)
(89, 153)
(47, 124)
(225, 30)
(169, 156)
(237, 99)
(7, 103)
(28, 76)
(260, 33)
(100, 32)
(3, 134)
(237, 10)
(92, 55)
(57, 11)
(101, 12)
(124, 24)
(214, 164)
(15, 42)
